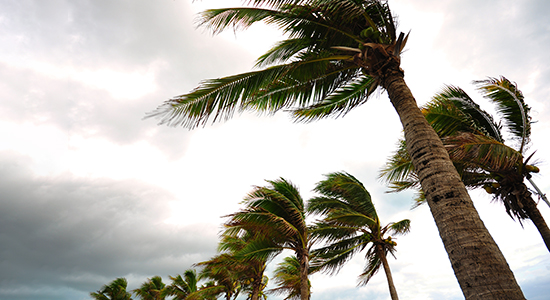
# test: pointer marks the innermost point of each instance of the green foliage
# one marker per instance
(349, 225)
(152, 289)
(330, 62)
(116, 290)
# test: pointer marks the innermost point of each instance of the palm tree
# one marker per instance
(220, 270)
(350, 224)
(249, 271)
(338, 52)
(116, 290)
(181, 287)
(152, 289)
(287, 279)
(275, 216)
(476, 145)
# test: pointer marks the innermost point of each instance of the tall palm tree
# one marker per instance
(115, 290)
(287, 279)
(275, 216)
(338, 52)
(350, 224)
(476, 145)
(182, 286)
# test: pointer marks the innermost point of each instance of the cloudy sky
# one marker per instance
(90, 191)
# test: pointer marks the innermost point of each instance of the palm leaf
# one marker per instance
(511, 106)
(481, 151)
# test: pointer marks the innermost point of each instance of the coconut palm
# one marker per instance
(223, 280)
(337, 54)
(287, 279)
(275, 216)
(115, 290)
(249, 271)
(152, 289)
(477, 147)
(350, 225)
(182, 286)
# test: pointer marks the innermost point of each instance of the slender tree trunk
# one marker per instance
(303, 259)
(478, 263)
(383, 258)
(530, 208)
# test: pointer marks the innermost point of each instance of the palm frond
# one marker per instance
(452, 111)
(511, 106)
(401, 227)
(340, 102)
(371, 267)
(481, 151)
(399, 166)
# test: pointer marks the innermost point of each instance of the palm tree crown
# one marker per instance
(330, 63)
(275, 216)
(116, 290)
(350, 224)
(152, 289)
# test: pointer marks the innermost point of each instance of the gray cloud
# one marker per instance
(70, 233)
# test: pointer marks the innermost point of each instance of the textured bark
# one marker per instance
(477, 262)
(530, 208)
(382, 255)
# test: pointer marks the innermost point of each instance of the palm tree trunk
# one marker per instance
(478, 263)
(303, 258)
(530, 208)
(256, 285)
(383, 258)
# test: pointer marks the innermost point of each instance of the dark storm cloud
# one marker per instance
(69, 233)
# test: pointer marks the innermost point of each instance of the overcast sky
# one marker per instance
(89, 191)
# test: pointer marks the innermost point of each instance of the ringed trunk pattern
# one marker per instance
(477, 262)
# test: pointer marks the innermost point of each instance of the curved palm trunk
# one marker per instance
(530, 208)
(478, 263)
(383, 258)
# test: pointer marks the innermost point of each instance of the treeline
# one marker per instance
(272, 220)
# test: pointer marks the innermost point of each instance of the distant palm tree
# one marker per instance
(477, 147)
(116, 290)
(287, 279)
(223, 281)
(275, 215)
(336, 55)
(249, 271)
(350, 224)
(182, 286)
(152, 289)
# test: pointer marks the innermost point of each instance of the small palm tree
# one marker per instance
(336, 55)
(477, 147)
(350, 225)
(223, 280)
(275, 216)
(249, 271)
(182, 286)
(116, 290)
(287, 279)
(152, 289)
